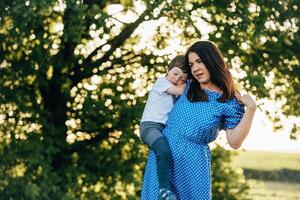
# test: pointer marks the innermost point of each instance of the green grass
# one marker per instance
(272, 190)
(282, 187)
(267, 160)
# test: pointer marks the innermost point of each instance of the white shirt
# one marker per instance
(159, 102)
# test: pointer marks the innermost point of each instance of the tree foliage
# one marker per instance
(74, 76)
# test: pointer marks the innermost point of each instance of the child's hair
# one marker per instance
(178, 61)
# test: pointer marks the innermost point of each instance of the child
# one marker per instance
(160, 102)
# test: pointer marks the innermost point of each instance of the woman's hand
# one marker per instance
(246, 100)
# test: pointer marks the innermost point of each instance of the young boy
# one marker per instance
(160, 102)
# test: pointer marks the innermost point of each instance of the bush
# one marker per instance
(228, 183)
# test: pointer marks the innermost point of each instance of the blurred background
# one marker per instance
(74, 78)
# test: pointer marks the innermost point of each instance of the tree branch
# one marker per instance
(114, 43)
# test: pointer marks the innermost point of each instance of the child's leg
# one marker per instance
(151, 134)
(163, 155)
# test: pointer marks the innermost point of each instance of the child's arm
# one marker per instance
(176, 90)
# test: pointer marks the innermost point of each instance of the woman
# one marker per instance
(209, 104)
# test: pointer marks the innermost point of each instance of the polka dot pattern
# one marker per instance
(190, 127)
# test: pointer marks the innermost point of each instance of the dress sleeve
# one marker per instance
(232, 115)
(161, 85)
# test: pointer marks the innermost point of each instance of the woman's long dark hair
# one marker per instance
(213, 59)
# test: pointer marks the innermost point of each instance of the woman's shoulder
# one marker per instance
(233, 105)
(233, 101)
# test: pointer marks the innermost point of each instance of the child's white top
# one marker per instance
(159, 102)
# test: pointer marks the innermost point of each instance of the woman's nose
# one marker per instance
(196, 68)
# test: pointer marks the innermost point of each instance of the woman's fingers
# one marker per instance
(238, 96)
(248, 101)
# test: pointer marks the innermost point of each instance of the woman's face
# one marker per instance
(198, 69)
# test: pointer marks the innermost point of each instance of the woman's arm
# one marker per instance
(237, 135)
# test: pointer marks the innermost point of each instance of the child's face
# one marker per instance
(176, 76)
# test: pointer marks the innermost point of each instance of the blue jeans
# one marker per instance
(151, 134)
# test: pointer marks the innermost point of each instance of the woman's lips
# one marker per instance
(199, 75)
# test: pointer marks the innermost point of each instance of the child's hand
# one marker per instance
(183, 85)
(177, 89)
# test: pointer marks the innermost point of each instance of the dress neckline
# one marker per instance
(220, 93)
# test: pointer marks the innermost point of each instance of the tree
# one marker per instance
(73, 79)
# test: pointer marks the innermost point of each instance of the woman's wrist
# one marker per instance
(251, 108)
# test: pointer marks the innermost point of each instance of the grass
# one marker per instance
(263, 164)
(267, 160)
(273, 190)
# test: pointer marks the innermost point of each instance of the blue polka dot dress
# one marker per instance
(190, 127)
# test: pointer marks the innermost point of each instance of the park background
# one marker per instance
(75, 75)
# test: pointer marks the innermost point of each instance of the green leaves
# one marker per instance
(75, 75)
(222, 175)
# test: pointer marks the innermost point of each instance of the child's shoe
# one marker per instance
(166, 194)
